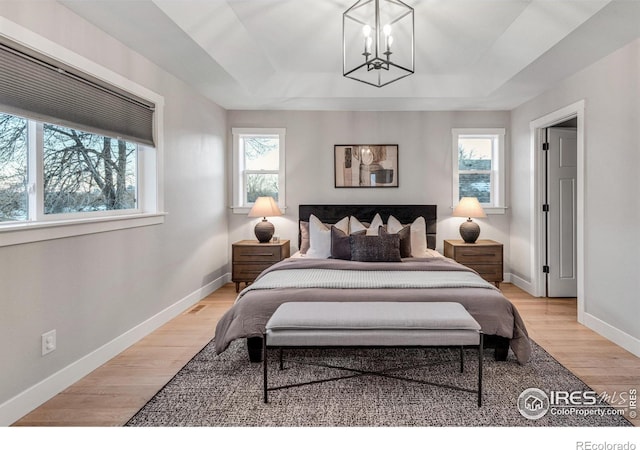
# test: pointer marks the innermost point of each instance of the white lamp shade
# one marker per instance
(469, 207)
(265, 207)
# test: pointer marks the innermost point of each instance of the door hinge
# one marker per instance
(545, 269)
(545, 207)
(545, 146)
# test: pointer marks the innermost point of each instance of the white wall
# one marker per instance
(94, 288)
(611, 90)
(424, 158)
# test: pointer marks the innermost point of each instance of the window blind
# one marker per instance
(37, 87)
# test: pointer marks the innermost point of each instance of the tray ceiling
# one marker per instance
(287, 54)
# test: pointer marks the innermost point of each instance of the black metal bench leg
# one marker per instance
(480, 358)
(264, 367)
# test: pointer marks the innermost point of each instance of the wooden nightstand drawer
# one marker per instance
(484, 254)
(490, 272)
(249, 272)
(256, 253)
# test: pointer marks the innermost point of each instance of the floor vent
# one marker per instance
(196, 309)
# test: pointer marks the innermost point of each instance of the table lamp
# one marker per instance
(469, 207)
(264, 207)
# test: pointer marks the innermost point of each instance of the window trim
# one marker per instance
(25, 232)
(238, 191)
(150, 176)
(498, 169)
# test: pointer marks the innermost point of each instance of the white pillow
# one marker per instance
(393, 225)
(320, 236)
(355, 225)
(419, 236)
(375, 224)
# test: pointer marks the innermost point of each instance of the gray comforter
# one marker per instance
(255, 304)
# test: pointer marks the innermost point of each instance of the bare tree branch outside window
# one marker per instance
(87, 172)
(13, 168)
(82, 171)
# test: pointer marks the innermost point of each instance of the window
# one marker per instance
(258, 157)
(478, 167)
(81, 172)
(80, 151)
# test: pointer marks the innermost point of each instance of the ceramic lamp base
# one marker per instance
(264, 231)
(469, 231)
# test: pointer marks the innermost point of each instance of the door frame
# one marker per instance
(537, 196)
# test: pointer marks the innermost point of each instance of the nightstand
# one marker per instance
(485, 257)
(250, 258)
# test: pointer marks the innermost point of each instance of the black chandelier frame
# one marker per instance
(377, 56)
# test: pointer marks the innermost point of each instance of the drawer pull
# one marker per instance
(478, 254)
(258, 254)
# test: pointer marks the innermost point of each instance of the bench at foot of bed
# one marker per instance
(320, 325)
(499, 343)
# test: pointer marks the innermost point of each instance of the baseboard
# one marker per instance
(526, 286)
(25, 402)
(612, 333)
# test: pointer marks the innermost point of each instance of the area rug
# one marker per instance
(226, 390)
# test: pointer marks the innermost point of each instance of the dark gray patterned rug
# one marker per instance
(226, 390)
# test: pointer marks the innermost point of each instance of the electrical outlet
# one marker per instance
(48, 342)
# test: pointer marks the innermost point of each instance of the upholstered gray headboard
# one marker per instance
(364, 213)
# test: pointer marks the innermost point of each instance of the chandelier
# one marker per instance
(378, 41)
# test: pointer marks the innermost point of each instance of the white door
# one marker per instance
(561, 218)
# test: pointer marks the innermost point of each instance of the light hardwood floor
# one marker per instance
(114, 392)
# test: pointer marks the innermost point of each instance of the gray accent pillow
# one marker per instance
(384, 248)
(405, 239)
(340, 243)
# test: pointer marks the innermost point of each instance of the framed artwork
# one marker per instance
(366, 166)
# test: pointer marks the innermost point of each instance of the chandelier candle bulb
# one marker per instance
(366, 30)
(388, 38)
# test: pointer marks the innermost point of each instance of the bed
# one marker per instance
(372, 271)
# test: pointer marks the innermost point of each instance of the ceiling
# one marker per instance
(287, 54)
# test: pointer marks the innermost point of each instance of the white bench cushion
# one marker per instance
(371, 323)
